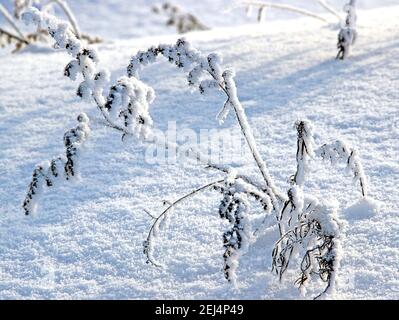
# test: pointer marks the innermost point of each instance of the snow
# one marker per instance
(363, 209)
(86, 240)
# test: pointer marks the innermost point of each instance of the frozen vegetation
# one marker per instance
(328, 199)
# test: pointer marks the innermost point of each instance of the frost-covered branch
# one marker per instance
(21, 40)
(313, 227)
(128, 100)
(305, 144)
(317, 235)
(63, 5)
(22, 5)
(199, 69)
(262, 6)
(235, 207)
(347, 35)
(64, 167)
(340, 152)
(124, 106)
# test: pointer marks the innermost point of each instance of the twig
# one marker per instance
(173, 204)
(281, 7)
(330, 9)
(248, 135)
(13, 36)
(150, 214)
(10, 20)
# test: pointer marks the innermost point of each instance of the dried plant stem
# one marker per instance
(286, 7)
(329, 9)
(195, 155)
(13, 36)
(170, 207)
(10, 20)
(271, 189)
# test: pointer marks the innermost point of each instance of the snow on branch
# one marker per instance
(60, 168)
(313, 227)
(206, 73)
(340, 152)
(63, 5)
(21, 40)
(125, 107)
(21, 6)
(316, 240)
(234, 207)
(305, 144)
(347, 35)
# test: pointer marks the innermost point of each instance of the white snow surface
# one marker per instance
(85, 242)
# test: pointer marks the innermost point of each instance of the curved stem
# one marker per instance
(10, 20)
(13, 36)
(329, 9)
(282, 7)
(249, 137)
(69, 14)
(173, 204)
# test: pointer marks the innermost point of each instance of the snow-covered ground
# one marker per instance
(86, 239)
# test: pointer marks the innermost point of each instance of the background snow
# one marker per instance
(86, 241)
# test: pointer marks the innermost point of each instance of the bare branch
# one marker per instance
(13, 36)
(261, 4)
(10, 20)
(330, 9)
(147, 243)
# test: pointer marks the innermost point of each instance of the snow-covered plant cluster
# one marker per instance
(63, 167)
(235, 207)
(315, 237)
(183, 21)
(291, 211)
(348, 34)
(305, 143)
(20, 40)
(338, 152)
(125, 106)
(312, 226)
